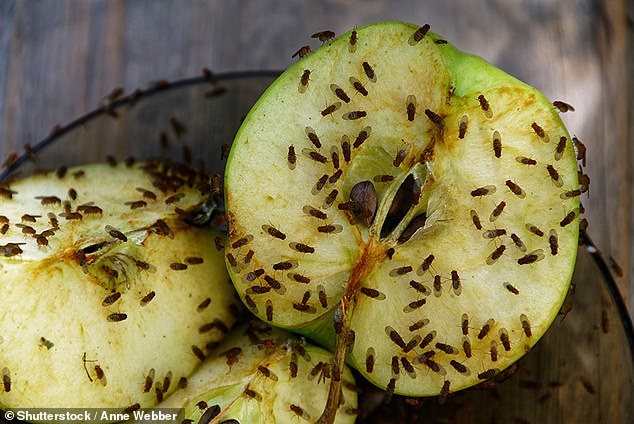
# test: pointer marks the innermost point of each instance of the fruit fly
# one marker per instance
(434, 117)
(511, 288)
(418, 35)
(358, 86)
(483, 191)
(291, 157)
(330, 109)
(554, 175)
(303, 81)
(411, 107)
(340, 93)
(324, 36)
(303, 51)
(486, 328)
(362, 137)
(462, 127)
(561, 146)
(484, 105)
(538, 130)
(497, 211)
(352, 46)
(369, 71)
(563, 107)
(273, 232)
(515, 189)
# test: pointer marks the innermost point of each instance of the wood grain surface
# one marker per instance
(60, 59)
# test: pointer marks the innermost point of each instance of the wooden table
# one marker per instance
(59, 59)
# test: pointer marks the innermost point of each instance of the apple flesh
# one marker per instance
(105, 284)
(406, 203)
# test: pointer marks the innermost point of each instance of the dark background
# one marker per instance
(59, 59)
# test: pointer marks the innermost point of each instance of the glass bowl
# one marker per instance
(582, 370)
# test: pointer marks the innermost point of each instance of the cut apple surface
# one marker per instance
(263, 375)
(391, 196)
(105, 282)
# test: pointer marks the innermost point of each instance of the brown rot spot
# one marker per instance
(418, 35)
(483, 191)
(563, 107)
(340, 93)
(484, 105)
(515, 189)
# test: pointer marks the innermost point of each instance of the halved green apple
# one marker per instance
(105, 282)
(394, 197)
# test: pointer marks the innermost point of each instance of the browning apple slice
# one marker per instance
(406, 202)
(105, 282)
(264, 375)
